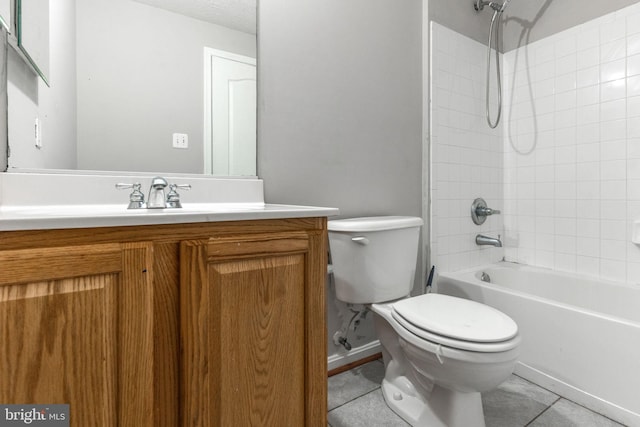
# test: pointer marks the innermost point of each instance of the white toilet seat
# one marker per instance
(456, 323)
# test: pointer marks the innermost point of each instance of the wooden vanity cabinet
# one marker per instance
(208, 324)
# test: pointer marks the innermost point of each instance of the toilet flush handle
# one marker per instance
(361, 240)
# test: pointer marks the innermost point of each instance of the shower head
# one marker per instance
(480, 4)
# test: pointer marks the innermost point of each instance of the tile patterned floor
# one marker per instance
(355, 400)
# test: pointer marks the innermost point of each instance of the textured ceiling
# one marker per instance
(237, 14)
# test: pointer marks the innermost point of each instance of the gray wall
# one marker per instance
(340, 108)
(340, 104)
(460, 16)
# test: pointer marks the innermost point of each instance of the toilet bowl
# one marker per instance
(435, 379)
(440, 352)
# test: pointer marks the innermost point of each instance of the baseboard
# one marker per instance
(344, 358)
(578, 396)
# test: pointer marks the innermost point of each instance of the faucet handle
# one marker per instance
(136, 198)
(480, 211)
(173, 197)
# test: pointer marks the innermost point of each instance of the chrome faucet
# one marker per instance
(482, 240)
(157, 198)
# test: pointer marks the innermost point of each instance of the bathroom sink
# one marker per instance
(21, 217)
(33, 201)
(53, 211)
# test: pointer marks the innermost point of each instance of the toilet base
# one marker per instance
(444, 408)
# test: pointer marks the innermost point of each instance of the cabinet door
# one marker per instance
(246, 332)
(73, 329)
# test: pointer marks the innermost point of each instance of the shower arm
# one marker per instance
(480, 4)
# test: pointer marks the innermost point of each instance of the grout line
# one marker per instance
(355, 398)
(538, 385)
(545, 410)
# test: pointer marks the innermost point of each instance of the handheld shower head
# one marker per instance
(498, 8)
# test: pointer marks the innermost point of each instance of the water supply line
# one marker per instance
(340, 337)
(349, 323)
(498, 9)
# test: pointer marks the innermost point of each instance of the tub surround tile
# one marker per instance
(568, 414)
(467, 155)
(569, 145)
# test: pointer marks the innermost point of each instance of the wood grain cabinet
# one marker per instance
(74, 330)
(214, 324)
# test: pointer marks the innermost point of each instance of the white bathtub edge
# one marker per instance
(337, 360)
(576, 395)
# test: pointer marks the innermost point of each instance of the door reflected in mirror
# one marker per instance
(125, 77)
(230, 113)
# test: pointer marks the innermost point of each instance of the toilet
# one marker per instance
(440, 352)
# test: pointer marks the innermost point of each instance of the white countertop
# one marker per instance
(39, 201)
(83, 216)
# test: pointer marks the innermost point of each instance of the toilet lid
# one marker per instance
(456, 318)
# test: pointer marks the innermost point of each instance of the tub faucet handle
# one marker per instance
(486, 211)
(480, 211)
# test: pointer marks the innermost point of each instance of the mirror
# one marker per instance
(33, 34)
(127, 85)
(5, 14)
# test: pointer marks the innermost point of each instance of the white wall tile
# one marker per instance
(588, 95)
(613, 50)
(613, 30)
(588, 76)
(612, 90)
(568, 172)
(633, 65)
(613, 70)
(633, 44)
(468, 155)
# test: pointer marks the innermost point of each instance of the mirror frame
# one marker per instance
(30, 53)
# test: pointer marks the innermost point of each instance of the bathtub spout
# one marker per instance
(486, 240)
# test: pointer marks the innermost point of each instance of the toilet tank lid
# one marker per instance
(374, 223)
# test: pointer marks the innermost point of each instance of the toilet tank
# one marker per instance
(374, 258)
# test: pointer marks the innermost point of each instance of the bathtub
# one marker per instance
(580, 336)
